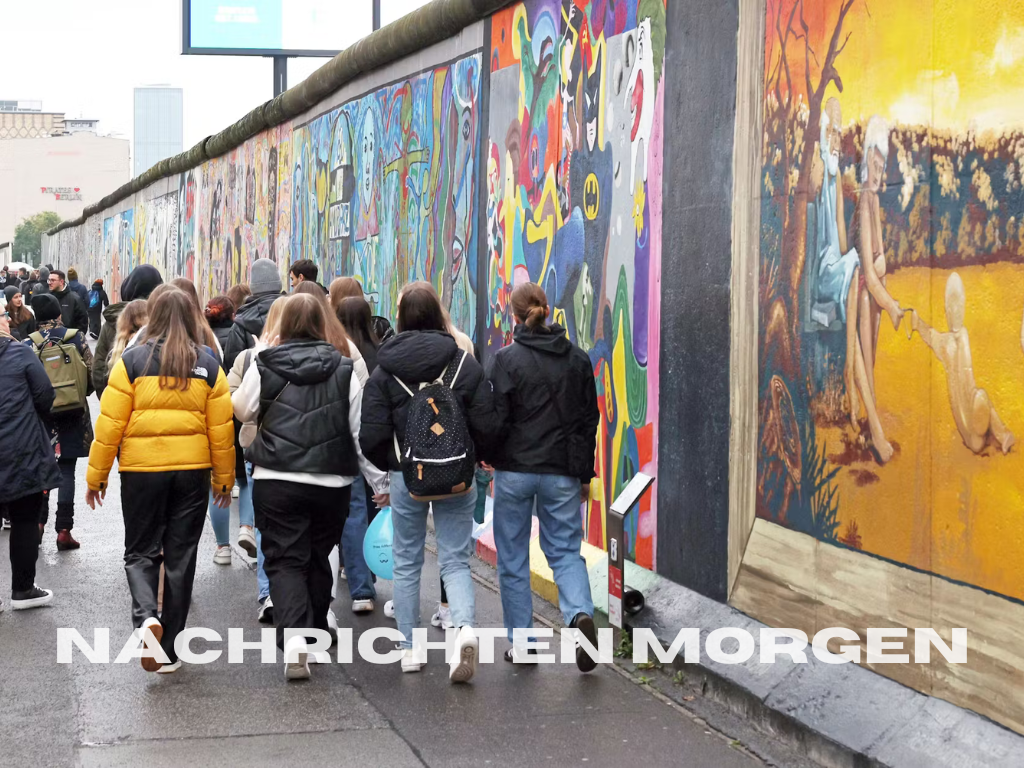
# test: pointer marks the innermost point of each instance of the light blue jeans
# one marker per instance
(221, 518)
(360, 581)
(262, 580)
(453, 528)
(561, 534)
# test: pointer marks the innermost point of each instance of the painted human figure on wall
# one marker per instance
(367, 224)
(640, 100)
(873, 297)
(976, 419)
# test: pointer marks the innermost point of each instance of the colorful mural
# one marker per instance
(384, 189)
(892, 277)
(573, 174)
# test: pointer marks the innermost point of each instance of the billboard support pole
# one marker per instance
(280, 75)
(376, 15)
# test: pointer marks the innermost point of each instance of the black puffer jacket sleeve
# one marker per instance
(376, 426)
(484, 424)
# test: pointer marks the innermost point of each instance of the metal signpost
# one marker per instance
(619, 599)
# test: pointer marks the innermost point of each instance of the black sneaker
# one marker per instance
(585, 624)
(513, 657)
(30, 598)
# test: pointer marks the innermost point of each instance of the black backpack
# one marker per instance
(439, 460)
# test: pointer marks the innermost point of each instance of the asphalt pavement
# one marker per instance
(348, 714)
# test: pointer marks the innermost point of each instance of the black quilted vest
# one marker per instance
(303, 421)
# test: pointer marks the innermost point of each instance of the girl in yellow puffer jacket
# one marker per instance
(167, 410)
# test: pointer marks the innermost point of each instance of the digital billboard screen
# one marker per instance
(274, 27)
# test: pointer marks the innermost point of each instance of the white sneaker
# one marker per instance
(235, 491)
(442, 617)
(342, 575)
(223, 555)
(247, 540)
(389, 609)
(169, 669)
(6, 525)
(332, 620)
(462, 667)
(413, 660)
(265, 615)
(298, 667)
(362, 606)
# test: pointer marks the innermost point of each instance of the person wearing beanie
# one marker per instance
(77, 287)
(38, 283)
(21, 319)
(97, 302)
(265, 283)
(138, 285)
(72, 429)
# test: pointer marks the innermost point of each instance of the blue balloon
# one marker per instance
(377, 545)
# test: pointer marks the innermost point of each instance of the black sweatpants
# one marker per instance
(163, 511)
(24, 517)
(299, 525)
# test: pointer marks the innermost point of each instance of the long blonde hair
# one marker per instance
(172, 325)
(132, 318)
(273, 321)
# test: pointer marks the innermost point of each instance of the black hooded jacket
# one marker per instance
(72, 310)
(27, 463)
(248, 326)
(138, 285)
(415, 357)
(524, 377)
(304, 411)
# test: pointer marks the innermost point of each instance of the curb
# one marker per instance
(842, 716)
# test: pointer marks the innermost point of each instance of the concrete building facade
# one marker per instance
(62, 174)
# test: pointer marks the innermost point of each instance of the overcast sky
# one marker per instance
(85, 59)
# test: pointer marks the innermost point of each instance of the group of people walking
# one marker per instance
(316, 415)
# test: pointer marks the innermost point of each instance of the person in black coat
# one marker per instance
(77, 287)
(27, 466)
(72, 308)
(97, 302)
(70, 431)
(546, 402)
(265, 282)
(422, 352)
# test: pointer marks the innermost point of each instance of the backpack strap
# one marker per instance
(458, 370)
(404, 386)
(69, 335)
(37, 338)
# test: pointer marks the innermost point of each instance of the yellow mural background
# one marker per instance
(937, 506)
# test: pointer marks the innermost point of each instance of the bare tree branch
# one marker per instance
(844, 44)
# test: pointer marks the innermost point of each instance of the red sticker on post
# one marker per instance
(614, 596)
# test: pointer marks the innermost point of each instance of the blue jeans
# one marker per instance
(561, 534)
(221, 518)
(262, 580)
(453, 528)
(360, 580)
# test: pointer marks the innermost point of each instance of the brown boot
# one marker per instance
(66, 541)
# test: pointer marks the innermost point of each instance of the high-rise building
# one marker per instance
(158, 125)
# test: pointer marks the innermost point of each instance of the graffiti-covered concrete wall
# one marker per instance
(573, 174)
(891, 350)
(406, 174)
